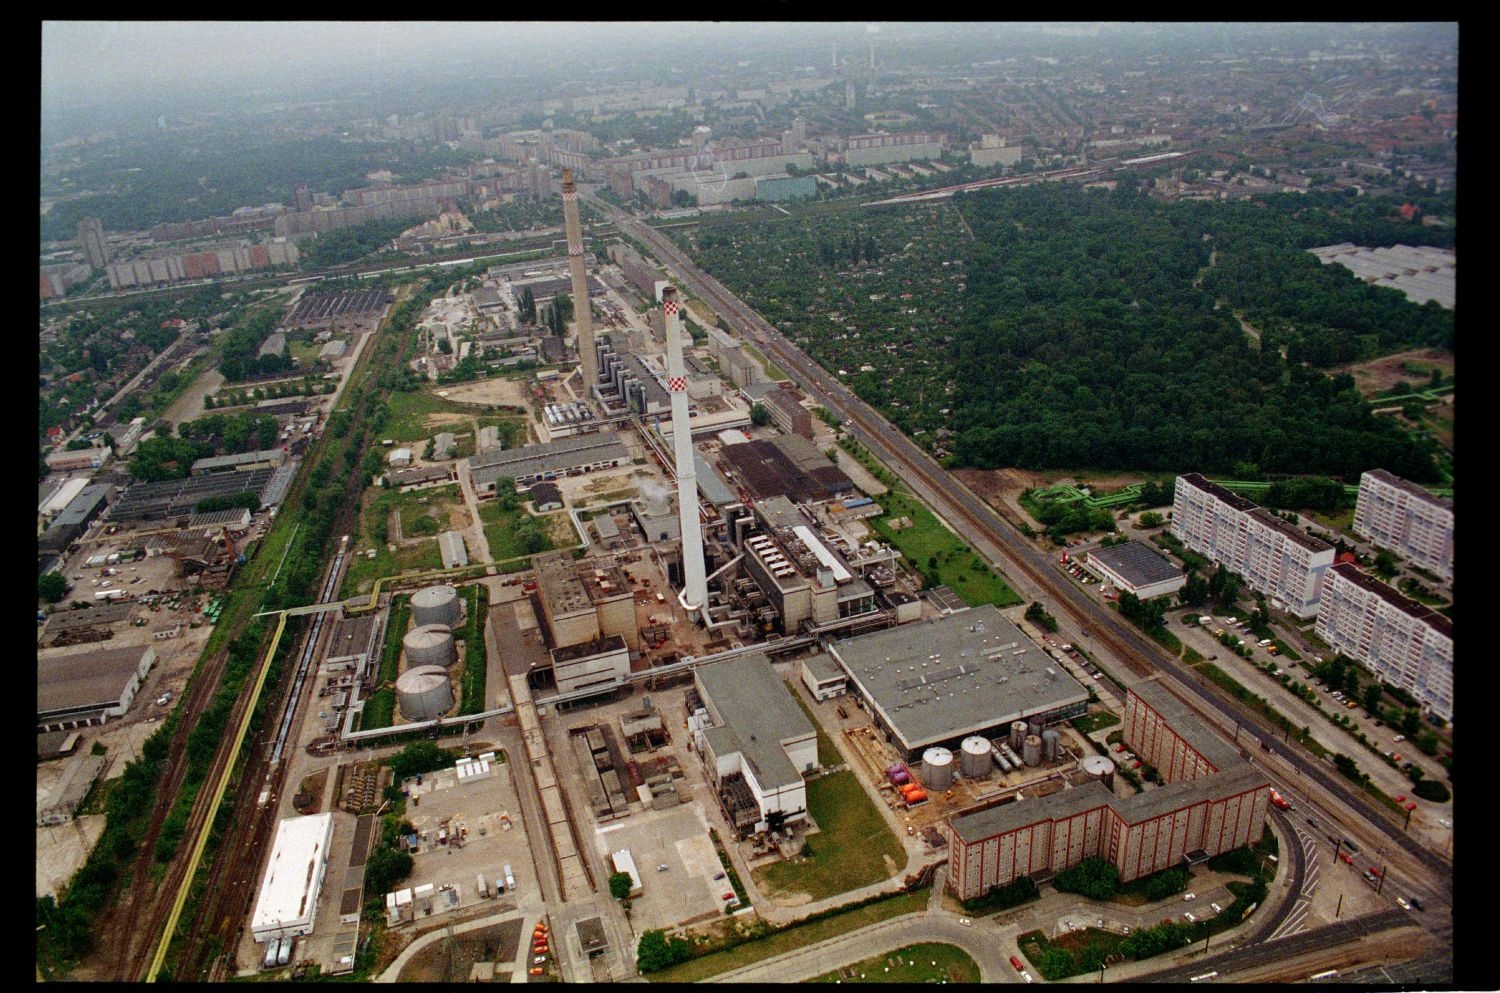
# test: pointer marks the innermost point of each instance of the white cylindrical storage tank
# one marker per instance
(1031, 749)
(1049, 744)
(431, 644)
(999, 759)
(1012, 754)
(436, 605)
(424, 693)
(974, 757)
(937, 769)
(1101, 769)
(1017, 734)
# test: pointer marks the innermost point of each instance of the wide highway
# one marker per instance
(978, 524)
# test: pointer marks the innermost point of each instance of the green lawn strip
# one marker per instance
(1089, 723)
(851, 849)
(940, 555)
(1191, 655)
(1069, 954)
(772, 372)
(1166, 639)
(929, 962)
(395, 630)
(792, 937)
(478, 597)
(828, 753)
(379, 710)
(406, 414)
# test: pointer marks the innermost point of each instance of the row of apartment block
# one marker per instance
(212, 260)
(1406, 519)
(1275, 558)
(1402, 642)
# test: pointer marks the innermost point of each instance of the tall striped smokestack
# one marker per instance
(695, 585)
(588, 361)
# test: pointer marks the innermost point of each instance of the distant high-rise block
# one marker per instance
(92, 241)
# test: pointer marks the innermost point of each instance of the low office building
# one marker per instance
(1275, 558)
(79, 458)
(823, 677)
(1135, 567)
(940, 681)
(1402, 642)
(1211, 801)
(288, 904)
(1408, 520)
(79, 688)
(757, 745)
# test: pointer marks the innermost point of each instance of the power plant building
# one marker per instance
(937, 682)
(585, 601)
(1275, 558)
(1401, 641)
(592, 666)
(757, 745)
(1408, 520)
(288, 903)
(1211, 801)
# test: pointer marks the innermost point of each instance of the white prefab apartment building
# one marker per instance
(288, 904)
(1275, 558)
(1399, 640)
(1406, 519)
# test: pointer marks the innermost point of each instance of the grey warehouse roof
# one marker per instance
(760, 714)
(85, 679)
(554, 456)
(939, 679)
(1137, 563)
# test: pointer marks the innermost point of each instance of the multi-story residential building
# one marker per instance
(1210, 801)
(1275, 558)
(92, 242)
(1406, 519)
(166, 266)
(901, 146)
(1399, 640)
(58, 279)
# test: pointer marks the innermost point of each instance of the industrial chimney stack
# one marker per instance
(695, 586)
(588, 362)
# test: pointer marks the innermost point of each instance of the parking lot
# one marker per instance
(684, 892)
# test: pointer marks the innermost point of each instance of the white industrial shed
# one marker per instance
(1135, 568)
(288, 903)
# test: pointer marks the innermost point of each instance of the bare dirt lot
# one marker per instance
(1381, 374)
(488, 391)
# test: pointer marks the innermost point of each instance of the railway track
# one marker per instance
(979, 523)
(212, 935)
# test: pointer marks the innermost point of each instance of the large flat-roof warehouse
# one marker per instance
(79, 688)
(939, 681)
(1136, 567)
(563, 457)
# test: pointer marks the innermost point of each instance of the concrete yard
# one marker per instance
(686, 891)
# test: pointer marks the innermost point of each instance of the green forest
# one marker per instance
(1054, 326)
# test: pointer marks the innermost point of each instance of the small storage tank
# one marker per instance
(974, 757)
(1034, 726)
(430, 644)
(1017, 734)
(915, 796)
(1049, 744)
(1031, 749)
(937, 769)
(998, 757)
(894, 768)
(436, 605)
(1101, 769)
(900, 777)
(1012, 754)
(424, 693)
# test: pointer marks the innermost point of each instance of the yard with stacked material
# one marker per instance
(854, 847)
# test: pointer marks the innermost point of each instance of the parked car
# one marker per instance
(1189, 896)
(1217, 908)
(719, 876)
(1026, 975)
(1017, 963)
(966, 922)
(1346, 858)
(1399, 737)
(536, 970)
(1401, 902)
(1411, 806)
(1190, 918)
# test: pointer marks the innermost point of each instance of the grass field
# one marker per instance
(412, 505)
(854, 848)
(792, 938)
(828, 753)
(1089, 723)
(500, 529)
(407, 413)
(940, 554)
(930, 962)
(772, 372)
